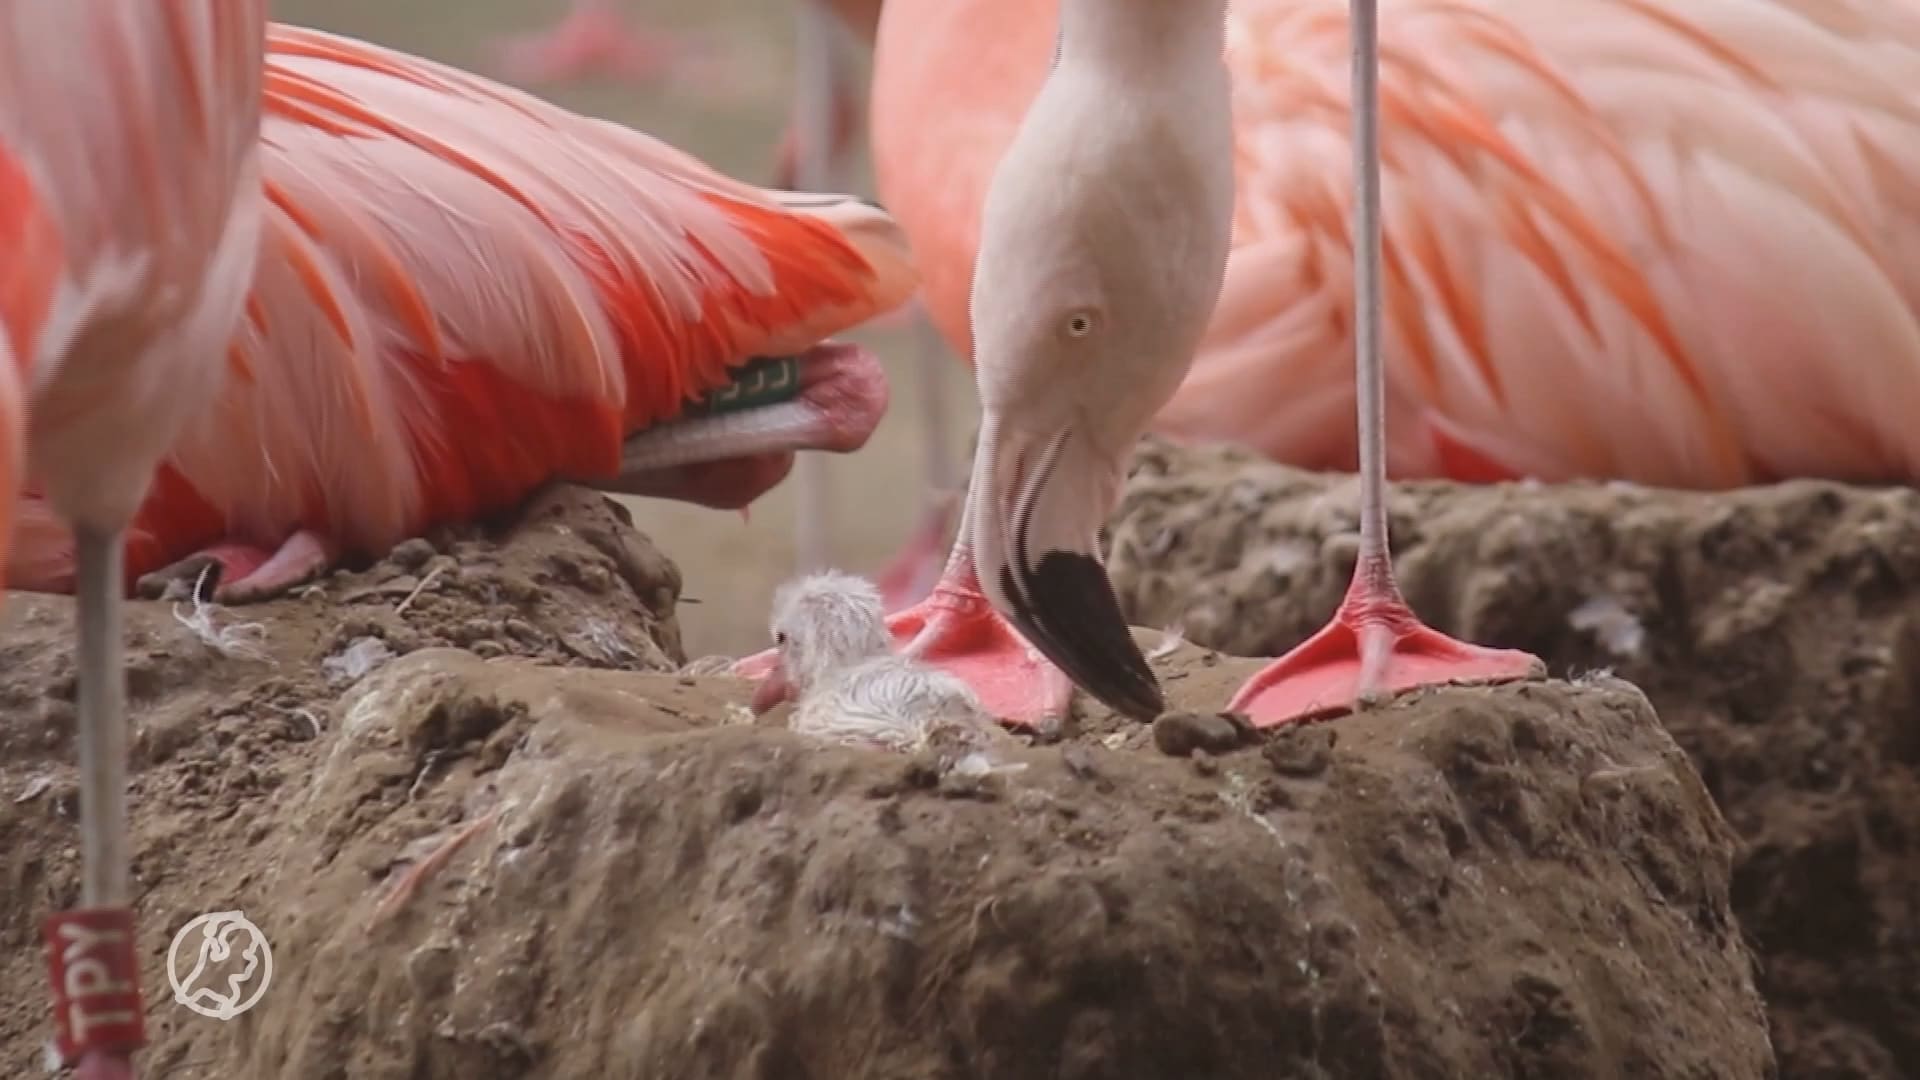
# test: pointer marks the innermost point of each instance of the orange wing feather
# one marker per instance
(464, 291)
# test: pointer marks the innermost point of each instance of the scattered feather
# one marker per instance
(1617, 630)
(236, 641)
(1171, 639)
(361, 656)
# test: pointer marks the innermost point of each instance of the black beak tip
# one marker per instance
(1067, 608)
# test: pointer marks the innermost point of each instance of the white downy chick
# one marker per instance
(851, 687)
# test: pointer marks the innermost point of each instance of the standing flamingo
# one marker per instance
(1103, 242)
(129, 220)
(1627, 240)
(464, 292)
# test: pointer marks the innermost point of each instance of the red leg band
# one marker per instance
(93, 957)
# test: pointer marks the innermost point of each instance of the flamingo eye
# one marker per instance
(1079, 324)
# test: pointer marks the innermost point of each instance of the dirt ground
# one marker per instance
(1521, 882)
(1777, 632)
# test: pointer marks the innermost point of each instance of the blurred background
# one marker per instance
(729, 110)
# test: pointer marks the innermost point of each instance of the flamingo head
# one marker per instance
(1103, 248)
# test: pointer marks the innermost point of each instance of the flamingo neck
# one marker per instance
(1140, 37)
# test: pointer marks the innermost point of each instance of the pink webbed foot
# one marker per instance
(1374, 648)
(915, 570)
(238, 573)
(594, 39)
(957, 630)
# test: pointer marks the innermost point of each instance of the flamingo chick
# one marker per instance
(130, 209)
(836, 657)
(1103, 245)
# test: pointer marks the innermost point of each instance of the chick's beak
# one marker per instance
(772, 690)
(1042, 501)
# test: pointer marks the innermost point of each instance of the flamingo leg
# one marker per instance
(821, 65)
(916, 569)
(956, 629)
(917, 566)
(103, 719)
(813, 494)
(818, 142)
(104, 858)
(1375, 646)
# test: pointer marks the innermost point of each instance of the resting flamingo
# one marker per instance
(464, 292)
(130, 212)
(1636, 240)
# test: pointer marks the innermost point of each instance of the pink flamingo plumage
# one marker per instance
(463, 292)
(130, 210)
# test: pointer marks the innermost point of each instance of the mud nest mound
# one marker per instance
(1774, 629)
(490, 832)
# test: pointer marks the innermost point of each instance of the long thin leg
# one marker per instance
(94, 952)
(817, 55)
(931, 353)
(914, 570)
(103, 719)
(1370, 375)
(1375, 646)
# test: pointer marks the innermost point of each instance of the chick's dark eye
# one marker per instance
(780, 638)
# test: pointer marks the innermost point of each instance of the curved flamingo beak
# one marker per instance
(773, 688)
(1103, 244)
(1042, 500)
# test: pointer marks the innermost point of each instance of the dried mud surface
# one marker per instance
(1776, 631)
(1529, 881)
